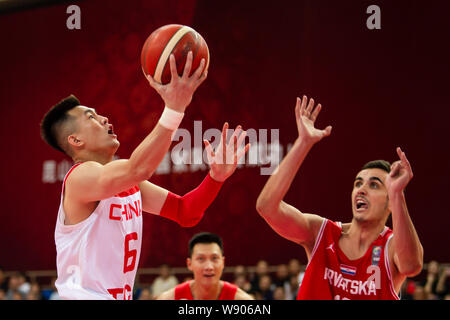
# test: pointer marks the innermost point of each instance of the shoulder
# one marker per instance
(82, 170)
(167, 295)
(345, 226)
(89, 168)
(242, 295)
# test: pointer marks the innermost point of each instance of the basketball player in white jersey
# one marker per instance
(99, 225)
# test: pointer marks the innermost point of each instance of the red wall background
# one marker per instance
(380, 89)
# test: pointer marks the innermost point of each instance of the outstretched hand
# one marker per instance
(305, 116)
(224, 161)
(177, 94)
(400, 175)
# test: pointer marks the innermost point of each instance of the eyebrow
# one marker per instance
(90, 110)
(206, 254)
(371, 178)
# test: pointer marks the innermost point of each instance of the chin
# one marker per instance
(360, 217)
(116, 145)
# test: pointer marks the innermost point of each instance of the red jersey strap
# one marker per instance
(228, 291)
(67, 175)
(183, 291)
(69, 172)
(129, 192)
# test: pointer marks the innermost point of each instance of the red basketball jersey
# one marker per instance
(183, 291)
(331, 275)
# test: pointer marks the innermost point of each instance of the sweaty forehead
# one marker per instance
(373, 172)
(206, 249)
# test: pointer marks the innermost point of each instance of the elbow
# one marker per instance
(413, 268)
(264, 205)
(189, 222)
(417, 265)
(139, 173)
(267, 207)
(412, 264)
(261, 206)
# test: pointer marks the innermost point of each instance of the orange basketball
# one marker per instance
(176, 39)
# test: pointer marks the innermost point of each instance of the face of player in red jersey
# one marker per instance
(94, 131)
(369, 196)
(207, 263)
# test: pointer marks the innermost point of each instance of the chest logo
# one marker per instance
(376, 255)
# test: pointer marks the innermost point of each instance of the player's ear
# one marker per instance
(388, 205)
(74, 141)
(189, 264)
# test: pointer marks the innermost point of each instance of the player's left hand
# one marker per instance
(224, 161)
(400, 175)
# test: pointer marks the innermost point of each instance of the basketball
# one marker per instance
(176, 39)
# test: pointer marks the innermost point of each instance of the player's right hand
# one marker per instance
(305, 117)
(177, 94)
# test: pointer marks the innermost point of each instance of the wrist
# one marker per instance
(176, 108)
(303, 144)
(215, 177)
(395, 195)
(170, 118)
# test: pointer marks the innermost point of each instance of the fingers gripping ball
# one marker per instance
(176, 39)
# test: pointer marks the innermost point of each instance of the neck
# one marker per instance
(364, 233)
(97, 157)
(210, 292)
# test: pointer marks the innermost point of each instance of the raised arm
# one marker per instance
(405, 247)
(286, 220)
(188, 210)
(96, 181)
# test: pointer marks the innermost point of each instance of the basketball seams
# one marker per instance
(197, 48)
(147, 53)
(207, 51)
(171, 44)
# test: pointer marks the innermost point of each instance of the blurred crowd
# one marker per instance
(262, 281)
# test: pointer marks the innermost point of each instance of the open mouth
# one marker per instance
(111, 130)
(208, 275)
(361, 204)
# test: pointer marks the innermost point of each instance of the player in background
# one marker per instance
(98, 232)
(206, 261)
(362, 259)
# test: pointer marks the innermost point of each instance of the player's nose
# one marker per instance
(362, 190)
(209, 265)
(105, 120)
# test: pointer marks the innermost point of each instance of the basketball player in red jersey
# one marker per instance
(362, 259)
(99, 226)
(206, 261)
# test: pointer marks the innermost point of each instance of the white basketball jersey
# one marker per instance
(98, 257)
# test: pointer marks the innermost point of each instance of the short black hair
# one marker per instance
(378, 164)
(204, 237)
(54, 118)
